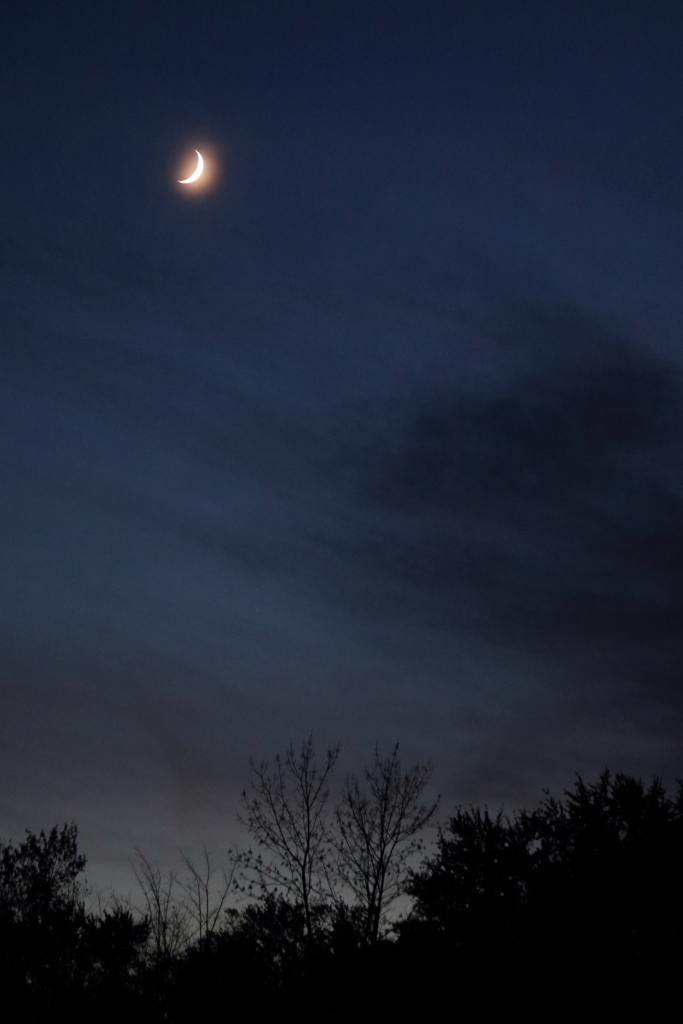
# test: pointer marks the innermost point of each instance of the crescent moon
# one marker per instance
(197, 171)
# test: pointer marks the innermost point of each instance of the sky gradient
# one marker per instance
(380, 438)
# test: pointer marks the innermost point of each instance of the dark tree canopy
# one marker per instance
(53, 953)
(588, 884)
(41, 911)
(578, 900)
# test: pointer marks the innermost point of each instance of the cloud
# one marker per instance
(547, 515)
(535, 505)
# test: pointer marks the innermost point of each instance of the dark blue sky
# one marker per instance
(381, 437)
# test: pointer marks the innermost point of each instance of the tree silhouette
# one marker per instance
(286, 814)
(42, 914)
(114, 945)
(167, 921)
(588, 887)
(377, 829)
(606, 861)
(470, 893)
(581, 897)
(205, 891)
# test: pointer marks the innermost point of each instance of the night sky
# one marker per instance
(379, 437)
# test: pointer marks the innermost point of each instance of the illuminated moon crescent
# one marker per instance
(198, 170)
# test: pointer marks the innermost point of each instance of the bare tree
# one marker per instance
(165, 912)
(205, 891)
(377, 828)
(286, 814)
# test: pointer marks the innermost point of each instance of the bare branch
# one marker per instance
(286, 814)
(376, 835)
(166, 914)
(205, 892)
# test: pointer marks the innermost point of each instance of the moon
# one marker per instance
(197, 171)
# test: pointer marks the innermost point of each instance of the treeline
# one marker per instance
(579, 901)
